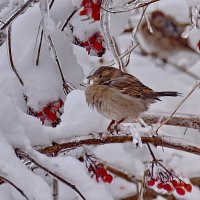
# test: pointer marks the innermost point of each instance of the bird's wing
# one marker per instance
(131, 86)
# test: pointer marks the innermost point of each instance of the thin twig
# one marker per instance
(129, 8)
(41, 33)
(178, 106)
(69, 18)
(10, 55)
(183, 120)
(55, 189)
(22, 154)
(125, 53)
(65, 85)
(105, 26)
(17, 188)
(20, 10)
(165, 60)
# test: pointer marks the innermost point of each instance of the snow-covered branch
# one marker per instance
(101, 139)
(183, 120)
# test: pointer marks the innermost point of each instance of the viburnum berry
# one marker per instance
(188, 187)
(180, 191)
(101, 172)
(49, 112)
(91, 9)
(151, 182)
(94, 45)
(108, 178)
(160, 185)
(174, 183)
(168, 187)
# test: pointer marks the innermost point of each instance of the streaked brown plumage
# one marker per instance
(120, 96)
(166, 37)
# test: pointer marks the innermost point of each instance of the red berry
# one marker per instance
(46, 110)
(180, 191)
(52, 117)
(108, 178)
(151, 182)
(160, 185)
(174, 183)
(98, 46)
(188, 187)
(168, 187)
(101, 172)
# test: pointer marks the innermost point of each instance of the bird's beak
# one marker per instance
(90, 77)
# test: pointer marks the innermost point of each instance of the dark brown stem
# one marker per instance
(65, 85)
(22, 154)
(41, 36)
(69, 18)
(10, 55)
(17, 188)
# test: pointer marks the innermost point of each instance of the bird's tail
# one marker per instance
(171, 94)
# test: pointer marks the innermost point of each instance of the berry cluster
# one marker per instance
(94, 45)
(91, 8)
(96, 169)
(49, 113)
(171, 185)
(100, 173)
(162, 178)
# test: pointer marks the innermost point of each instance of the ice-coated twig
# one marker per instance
(125, 53)
(55, 189)
(178, 106)
(45, 17)
(183, 120)
(16, 187)
(129, 7)
(31, 156)
(38, 43)
(18, 11)
(105, 27)
(10, 55)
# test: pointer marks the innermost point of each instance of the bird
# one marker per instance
(120, 96)
(166, 36)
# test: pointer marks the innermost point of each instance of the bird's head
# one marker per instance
(103, 74)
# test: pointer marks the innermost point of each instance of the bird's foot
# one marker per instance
(114, 126)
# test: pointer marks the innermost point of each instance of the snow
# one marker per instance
(42, 85)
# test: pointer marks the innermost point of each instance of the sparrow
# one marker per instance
(166, 37)
(120, 96)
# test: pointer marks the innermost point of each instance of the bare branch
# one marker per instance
(10, 55)
(17, 188)
(22, 154)
(178, 106)
(184, 120)
(69, 18)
